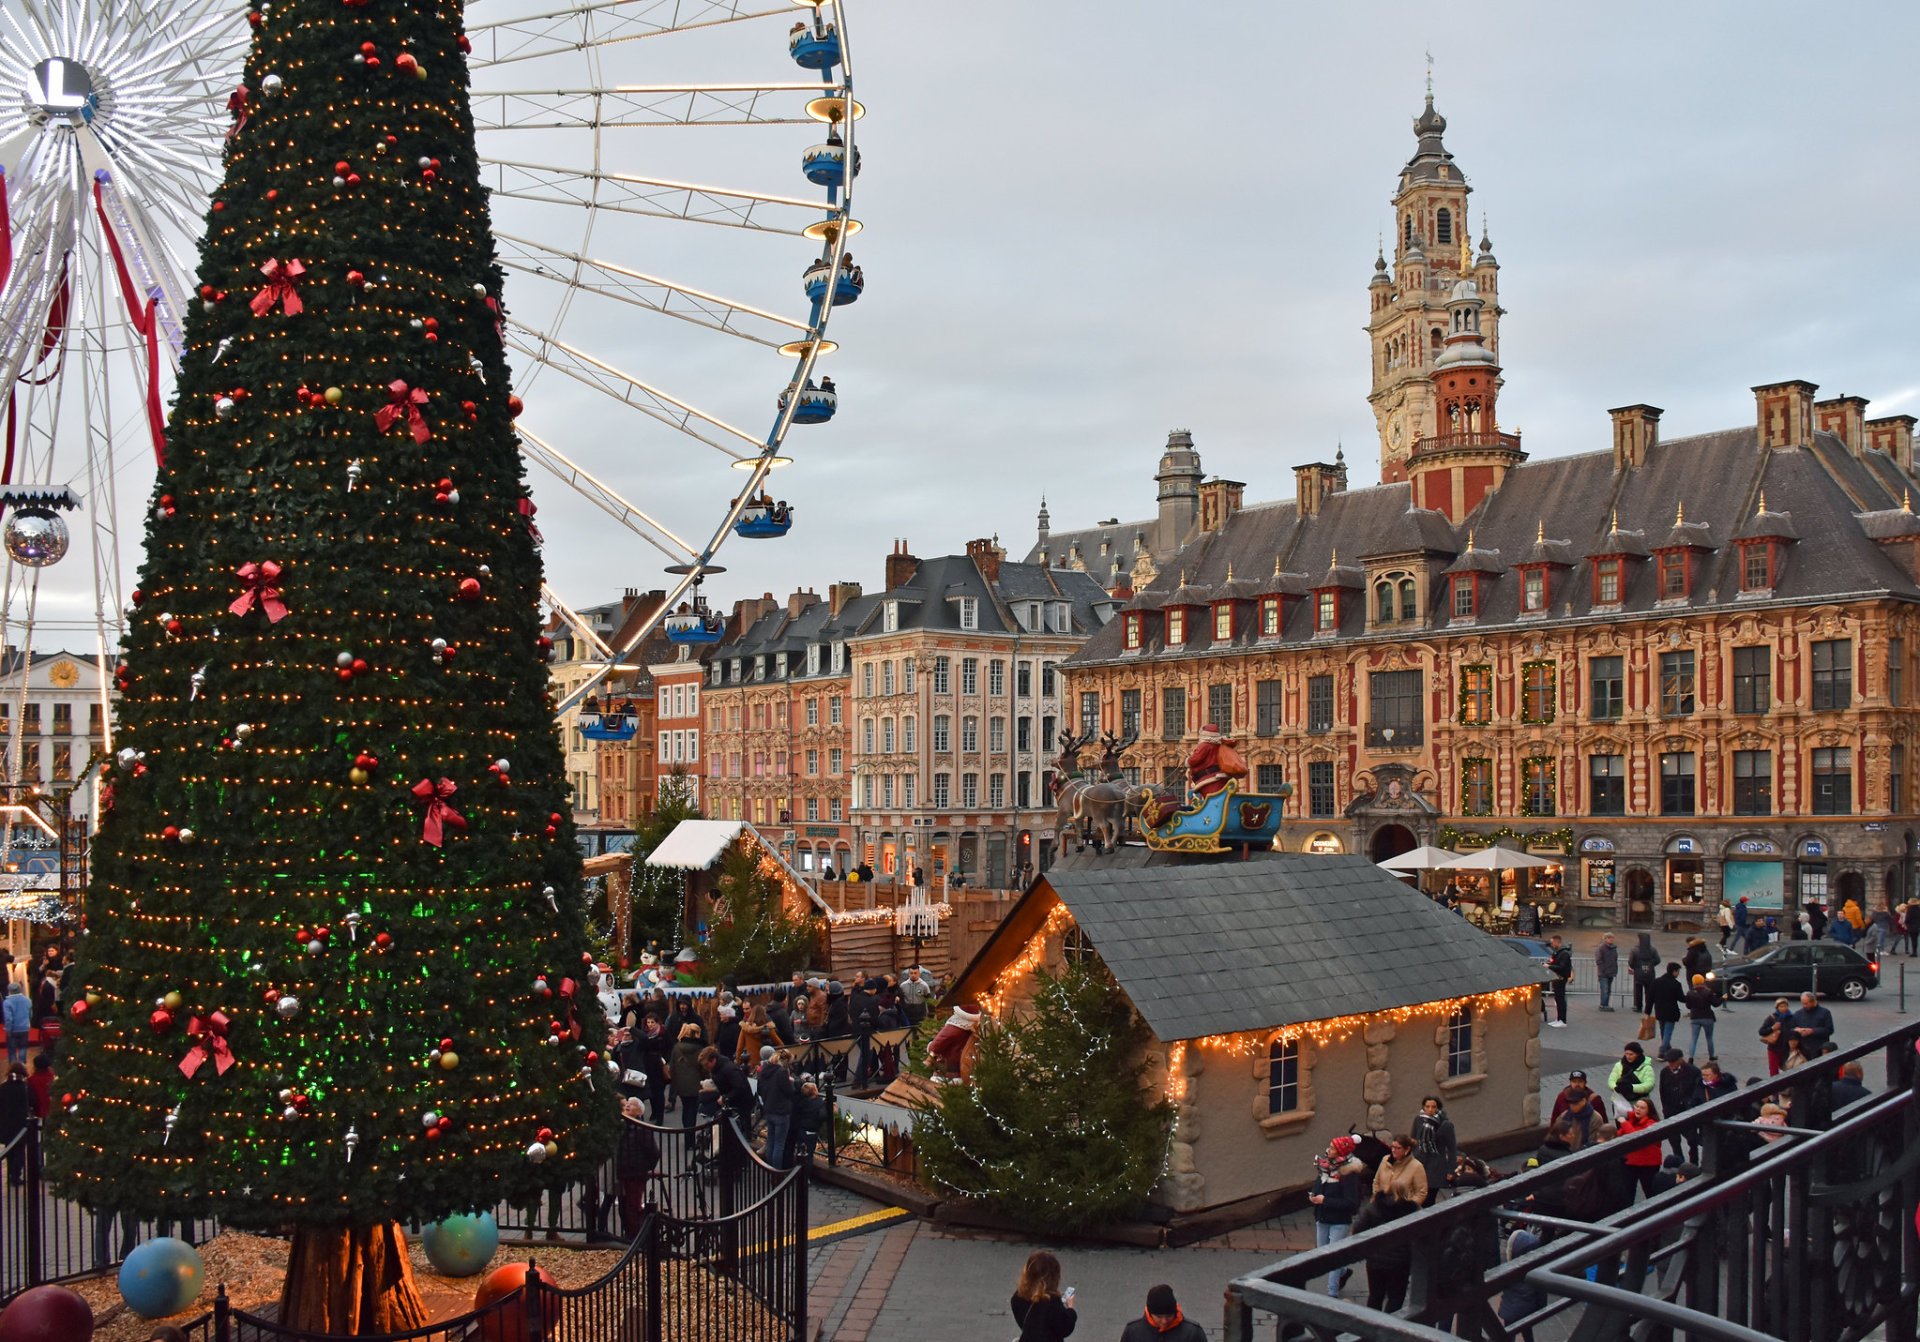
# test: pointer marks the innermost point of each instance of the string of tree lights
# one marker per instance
(336, 971)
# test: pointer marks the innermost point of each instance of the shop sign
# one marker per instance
(1046, 834)
(1813, 848)
(1874, 827)
(822, 832)
(1596, 845)
(1756, 846)
(1683, 844)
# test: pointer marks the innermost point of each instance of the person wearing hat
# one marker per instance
(1208, 770)
(1162, 1321)
(1632, 1077)
(1701, 998)
(838, 1023)
(1679, 1089)
(1339, 1186)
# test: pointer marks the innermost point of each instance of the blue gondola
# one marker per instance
(763, 520)
(814, 50)
(694, 626)
(1229, 819)
(619, 725)
(826, 164)
(817, 404)
(848, 287)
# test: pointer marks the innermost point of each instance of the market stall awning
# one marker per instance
(695, 845)
(1424, 858)
(1497, 859)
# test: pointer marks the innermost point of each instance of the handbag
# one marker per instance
(1647, 1028)
(633, 1076)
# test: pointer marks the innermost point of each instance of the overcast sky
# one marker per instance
(1087, 225)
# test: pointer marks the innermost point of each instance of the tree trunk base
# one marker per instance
(351, 1281)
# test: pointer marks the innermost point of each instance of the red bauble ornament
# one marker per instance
(367, 48)
(161, 1020)
(255, 17)
(433, 1133)
(446, 1045)
(469, 589)
(79, 1011)
(545, 1134)
(273, 995)
(405, 62)
(273, 193)
(176, 627)
(365, 761)
(359, 666)
(138, 596)
(343, 167)
(353, 179)
(219, 205)
(426, 175)
(515, 405)
(345, 673)
(356, 278)
(382, 940)
(207, 292)
(171, 834)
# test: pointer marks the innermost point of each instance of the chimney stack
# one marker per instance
(1785, 413)
(1894, 436)
(800, 601)
(1845, 417)
(1219, 500)
(840, 595)
(901, 566)
(1314, 482)
(1636, 428)
(986, 556)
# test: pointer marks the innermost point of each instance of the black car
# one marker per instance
(1534, 948)
(1792, 967)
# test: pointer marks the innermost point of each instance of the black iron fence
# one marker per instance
(719, 1250)
(1801, 1229)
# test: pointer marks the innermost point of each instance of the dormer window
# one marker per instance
(1396, 598)
(1270, 617)
(969, 612)
(813, 659)
(1466, 595)
(890, 622)
(1130, 631)
(1756, 566)
(1607, 580)
(1676, 574)
(1223, 622)
(1533, 590)
(1326, 612)
(1176, 627)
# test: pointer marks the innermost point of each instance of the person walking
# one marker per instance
(1339, 1185)
(1680, 1089)
(1401, 1176)
(1577, 1092)
(1696, 959)
(1043, 1311)
(1434, 1145)
(1560, 965)
(16, 1014)
(1162, 1321)
(1773, 1033)
(1643, 1163)
(1669, 994)
(1643, 962)
(1606, 966)
(1811, 1025)
(1700, 1001)
(638, 1155)
(1632, 1077)
(1910, 922)
(1725, 918)
(809, 1117)
(777, 1094)
(755, 1035)
(683, 1063)
(16, 1106)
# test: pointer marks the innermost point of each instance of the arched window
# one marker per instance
(1443, 226)
(1438, 339)
(1409, 607)
(1407, 232)
(1383, 603)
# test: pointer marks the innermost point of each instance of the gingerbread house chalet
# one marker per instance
(1291, 997)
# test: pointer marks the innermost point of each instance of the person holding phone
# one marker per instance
(1043, 1312)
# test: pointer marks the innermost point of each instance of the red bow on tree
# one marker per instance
(439, 814)
(569, 993)
(263, 587)
(499, 318)
(237, 104)
(527, 510)
(404, 400)
(280, 277)
(209, 1036)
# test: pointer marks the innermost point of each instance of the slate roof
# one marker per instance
(1283, 939)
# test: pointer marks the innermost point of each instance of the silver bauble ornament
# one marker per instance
(35, 537)
(288, 1006)
(537, 1152)
(272, 85)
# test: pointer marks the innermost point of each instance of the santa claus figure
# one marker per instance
(951, 1043)
(1208, 767)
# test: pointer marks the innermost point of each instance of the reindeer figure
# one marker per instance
(1099, 811)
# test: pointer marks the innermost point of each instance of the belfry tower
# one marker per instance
(1407, 318)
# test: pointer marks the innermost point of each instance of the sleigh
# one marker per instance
(1229, 819)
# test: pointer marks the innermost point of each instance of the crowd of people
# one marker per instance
(1894, 930)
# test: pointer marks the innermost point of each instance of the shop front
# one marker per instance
(1325, 841)
(1683, 895)
(1812, 877)
(1754, 868)
(1597, 897)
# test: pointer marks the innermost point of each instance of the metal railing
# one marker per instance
(1803, 1233)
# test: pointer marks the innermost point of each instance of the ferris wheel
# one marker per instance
(674, 249)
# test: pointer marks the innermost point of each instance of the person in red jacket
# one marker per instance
(1642, 1163)
(40, 1087)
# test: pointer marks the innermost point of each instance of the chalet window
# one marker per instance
(1466, 602)
(1266, 698)
(1270, 617)
(1607, 683)
(1607, 784)
(1537, 685)
(1173, 713)
(1326, 612)
(1753, 782)
(1756, 567)
(1176, 626)
(1536, 780)
(1676, 683)
(1319, 704)
(1673, 573)
(1533, 590)
(1676, 783)
(1606, 581)
(1752, 681)
(1220, 707)
(1283, 1076)
(1076, 947)
(1476, 695)
(1460, 1041)
(1129, 712)
(1833, 675)
(1476, 787)
(1223, 621)
(1320, 794)
(1833, 781)
(1130, 631)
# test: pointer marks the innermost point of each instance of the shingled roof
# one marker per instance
(1279, 940)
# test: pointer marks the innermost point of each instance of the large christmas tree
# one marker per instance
(334, 959)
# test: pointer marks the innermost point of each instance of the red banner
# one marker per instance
(141, 312)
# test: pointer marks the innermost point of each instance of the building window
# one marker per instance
(866, 792)
(836, 761)
(1833, 781)
(1394, 699)
(1269, 777)
(969, 790)
(886, 736)
(941, 782)
(1320, 795)
(969, 612)
(1046, 679)
(1173, 713)
(1460, 1041)
(813, 712)
(1466, 596)
(866, 736)
(866, 681)
(1756, 567)
(1023, 734)
(1131, 630)
(1606, 581)
(1476, 787)
(886, 792)
(996, 678)
(62, 720)
(1023, 680)
(969, 735)
(1676, 783)
(1129, 713)
(62, 754)
(1537, 685)
(1833, 674)
(1223, 622)
(1607, 784)
(1176, 626)
(833, 711)
(1270, 617)
(1220, 706)
(1319, 704)
(906, 676)
(813, 762)
(1476, 695)
(906, 735)
(1753, 782)
(1673, 574)
(1897, 779)
(942, 733)
(1023, 789)
(1896, 672)
(940, 667)
(996, 790)
(1606, 676)
(1676, 683)
(1443, 225)
(886, 677)
(996, 734)
(1283, 1076)
(1383, 603)
(1533, 590)
(1326, 612)
(1266, 707)
(969, 675)
(1536, 785)
(1752, 680)
(1089, 712)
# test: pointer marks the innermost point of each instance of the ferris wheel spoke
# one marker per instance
(588, 274)
(626, 389)
(577, 622)
(559, 31)
(653, 197)
(603, 496)
(638, 105)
